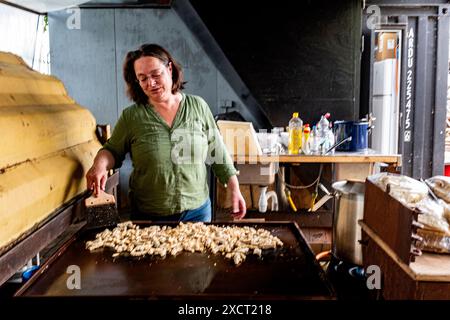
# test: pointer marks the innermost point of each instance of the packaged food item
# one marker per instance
(432, 216)
(403, 188)
(440, 186)
(433, 241)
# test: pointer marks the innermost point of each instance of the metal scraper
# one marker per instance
(101, 211)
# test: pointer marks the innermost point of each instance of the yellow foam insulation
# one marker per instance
(47, 144)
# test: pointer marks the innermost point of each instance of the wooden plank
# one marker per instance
(31, 190)
(353, 171)
(383, 245)
(336, 158)
(427, 267)
(318, 219)
(390, 220)
(42, 130)
(9, 58)
(10, 99)
(16, 85)
(397, 282)
(48, 143)
(20, 79)
(432, 267)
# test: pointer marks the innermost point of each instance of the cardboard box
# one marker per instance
(240, 138)
(386, 46)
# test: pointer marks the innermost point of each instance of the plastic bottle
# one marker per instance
(323, 127)
(305, 144)
(295, 134)
(331, 138)
(314, 141)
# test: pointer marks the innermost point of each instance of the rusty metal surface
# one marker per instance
(290, 272)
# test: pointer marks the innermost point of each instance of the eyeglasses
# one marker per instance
(156, 75)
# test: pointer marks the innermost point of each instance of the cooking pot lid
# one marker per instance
(349, 187)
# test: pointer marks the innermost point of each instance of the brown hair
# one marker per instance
(134, 90)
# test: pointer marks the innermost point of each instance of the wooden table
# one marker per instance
(346, 165)
(370, 156)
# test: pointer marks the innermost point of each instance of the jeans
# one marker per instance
(201, 214)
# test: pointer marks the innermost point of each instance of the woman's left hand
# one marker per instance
(239, 206)
(237, 200)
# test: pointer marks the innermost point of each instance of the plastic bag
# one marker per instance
(441, 187)
(403, 188)
(434, 241)
(432, 215)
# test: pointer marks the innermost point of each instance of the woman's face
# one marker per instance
(155, 78)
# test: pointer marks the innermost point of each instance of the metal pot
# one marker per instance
(349, 208)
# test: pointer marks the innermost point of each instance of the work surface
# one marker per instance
(368, 156)
(290, 272)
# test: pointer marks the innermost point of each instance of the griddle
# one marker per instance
(290, 272)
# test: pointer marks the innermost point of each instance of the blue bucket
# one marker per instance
(342, 130)
(360, 136)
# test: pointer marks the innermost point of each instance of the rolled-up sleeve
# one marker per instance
(220, 160)
(119, 143)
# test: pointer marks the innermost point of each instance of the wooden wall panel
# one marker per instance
(32, 190)
(47, 144)
(32, 131)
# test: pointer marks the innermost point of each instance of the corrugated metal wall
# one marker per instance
(87, 55)
(423, 82)
(89, 60)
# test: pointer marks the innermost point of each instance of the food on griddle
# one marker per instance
(231, 241)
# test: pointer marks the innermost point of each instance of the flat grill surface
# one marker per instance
(290, 272)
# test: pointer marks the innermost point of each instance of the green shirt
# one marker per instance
(169, 171)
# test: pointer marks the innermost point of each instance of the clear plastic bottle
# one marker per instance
(323, 126)
(295, 134)
(331, 138)
(314, 141)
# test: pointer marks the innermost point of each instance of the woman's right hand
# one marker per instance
(96, 178)
(98, 174)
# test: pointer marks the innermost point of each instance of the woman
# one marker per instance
(169, 135)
